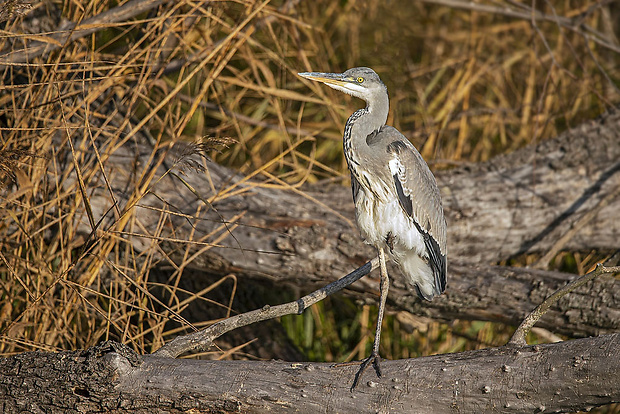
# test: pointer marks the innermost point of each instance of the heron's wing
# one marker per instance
(419, 197)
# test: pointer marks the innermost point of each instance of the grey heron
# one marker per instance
(398, 206)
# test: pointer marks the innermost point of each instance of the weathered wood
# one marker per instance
(525, 201)
(567, 376)
(522, 202)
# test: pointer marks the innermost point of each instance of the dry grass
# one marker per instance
(464, 86)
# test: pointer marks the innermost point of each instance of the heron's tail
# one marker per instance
(420, 277)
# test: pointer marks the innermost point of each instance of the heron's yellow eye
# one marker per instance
(360, 79)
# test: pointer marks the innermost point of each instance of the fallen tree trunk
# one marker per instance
(568, 376)
(522, 202)
(517, 203)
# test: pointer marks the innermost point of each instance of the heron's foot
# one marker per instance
(374, 359)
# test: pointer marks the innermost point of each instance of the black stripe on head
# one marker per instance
(405, 200)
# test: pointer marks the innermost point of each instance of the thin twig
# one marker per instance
(202, 340)
(518, 338)
(244, 118)
(573, 24)
(74, 31)
(176, 64)
(543, 263)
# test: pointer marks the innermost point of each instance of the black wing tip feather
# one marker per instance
(439, 264)
(422, 295)
(437, 261)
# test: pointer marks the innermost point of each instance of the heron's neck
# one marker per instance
(364, 122)
(360, 124)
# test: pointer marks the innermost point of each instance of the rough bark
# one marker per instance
(521, 202)
(563, 377)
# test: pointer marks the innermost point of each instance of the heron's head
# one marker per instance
(362, 83)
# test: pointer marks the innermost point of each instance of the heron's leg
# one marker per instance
(374, 357)
(384, 287)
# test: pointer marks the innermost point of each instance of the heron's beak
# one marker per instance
(337, 79)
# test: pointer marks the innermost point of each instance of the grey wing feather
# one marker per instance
(419, 197)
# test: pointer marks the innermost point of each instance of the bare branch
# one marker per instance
(543, 263)
(202, 340)
(575, 25)
(518, 338)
